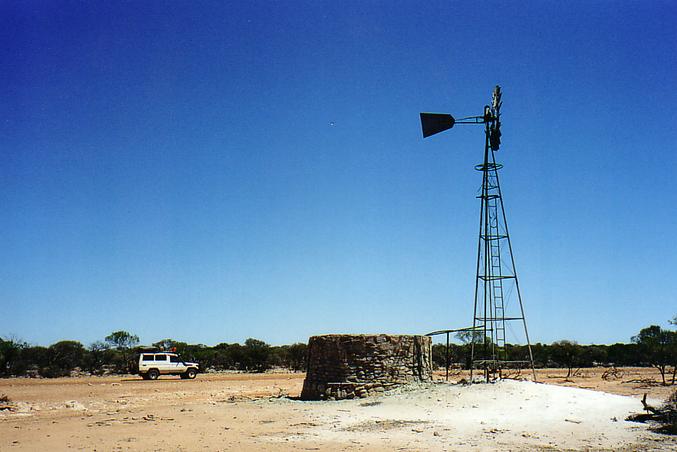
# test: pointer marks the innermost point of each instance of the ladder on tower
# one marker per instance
(496, 279)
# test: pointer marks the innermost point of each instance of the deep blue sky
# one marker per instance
(212, 171)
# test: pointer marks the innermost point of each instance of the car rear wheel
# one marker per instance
(153, 374)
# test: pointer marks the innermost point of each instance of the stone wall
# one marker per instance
(344, 366)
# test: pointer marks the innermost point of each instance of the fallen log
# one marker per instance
(665, 416)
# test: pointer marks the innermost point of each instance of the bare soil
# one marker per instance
(258, 412)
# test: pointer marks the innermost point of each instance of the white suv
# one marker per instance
(154, 364)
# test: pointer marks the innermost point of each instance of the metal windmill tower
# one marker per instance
(498, 299)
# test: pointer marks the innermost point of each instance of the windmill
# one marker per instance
(498, 299)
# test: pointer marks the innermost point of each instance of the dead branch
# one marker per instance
(648, 407)
(665, 416)
(612, 374)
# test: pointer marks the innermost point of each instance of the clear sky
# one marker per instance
(212, 171)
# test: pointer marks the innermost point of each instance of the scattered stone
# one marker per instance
(75, 405)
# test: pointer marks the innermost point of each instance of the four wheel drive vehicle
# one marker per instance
(154, 364)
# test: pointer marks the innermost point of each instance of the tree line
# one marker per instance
(117, 353)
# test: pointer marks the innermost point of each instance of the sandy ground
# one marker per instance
(253, 412)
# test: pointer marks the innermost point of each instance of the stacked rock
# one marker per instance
(345, 366)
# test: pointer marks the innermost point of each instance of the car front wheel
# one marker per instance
(191, 373)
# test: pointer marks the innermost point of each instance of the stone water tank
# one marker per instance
(344, 366)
